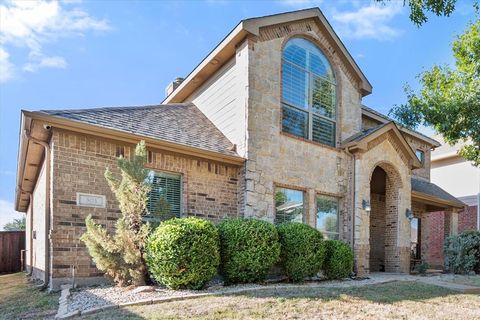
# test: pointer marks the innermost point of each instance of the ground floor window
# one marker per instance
(165, 198)
(289, 205)
(327, 216)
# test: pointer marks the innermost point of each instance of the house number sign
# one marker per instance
(91, 200)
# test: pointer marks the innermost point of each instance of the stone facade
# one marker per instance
(210, 190)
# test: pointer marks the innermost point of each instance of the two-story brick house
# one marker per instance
(269, 125)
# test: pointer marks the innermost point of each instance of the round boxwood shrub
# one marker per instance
(183, 253)
(302, 250)
(338, 259)
(249, 248)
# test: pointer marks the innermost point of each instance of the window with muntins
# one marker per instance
(327, 216)
(165, 198)
(308, 93)
(288, 205)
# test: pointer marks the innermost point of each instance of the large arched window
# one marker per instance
(308, 92)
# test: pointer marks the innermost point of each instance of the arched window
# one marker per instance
(308, 92)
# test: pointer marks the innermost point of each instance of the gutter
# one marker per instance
(27, 135)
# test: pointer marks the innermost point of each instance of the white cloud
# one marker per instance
(46, 62)
(33, 24)
(368, 22)
(301, 3)
(7, 213)
(6, 67)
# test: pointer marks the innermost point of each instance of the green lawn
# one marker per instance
(21, 300)
(399, 300)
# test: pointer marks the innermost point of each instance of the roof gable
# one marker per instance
(226, 49)
(359, 141)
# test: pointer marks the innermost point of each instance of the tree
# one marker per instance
(449, 99)
(420, 8)
(121, 255)
(15, 225)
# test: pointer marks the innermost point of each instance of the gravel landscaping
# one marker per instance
(94, 297)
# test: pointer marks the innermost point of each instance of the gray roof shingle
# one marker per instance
(364, 133)
(431, 189)
(180, 123)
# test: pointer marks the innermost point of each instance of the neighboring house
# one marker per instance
(461, 179)
(269, 125)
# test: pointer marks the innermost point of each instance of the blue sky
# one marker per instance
(79, 54)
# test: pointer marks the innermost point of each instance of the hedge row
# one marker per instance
(186, 252)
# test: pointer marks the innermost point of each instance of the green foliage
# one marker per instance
(462, 252)
(15, 225)
(249, 248)
(183, 253)
(121, 255)
(302, 250)
(420, 8)
(422, 268)
(449, 100)
(338, 259)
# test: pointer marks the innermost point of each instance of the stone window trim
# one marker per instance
(296, 188)
(313, 38)
(292, 136)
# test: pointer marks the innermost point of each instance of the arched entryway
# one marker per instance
(385, 183)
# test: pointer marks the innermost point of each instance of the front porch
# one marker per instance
(435, 217)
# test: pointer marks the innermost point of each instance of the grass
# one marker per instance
(398, 300)
(22, 300)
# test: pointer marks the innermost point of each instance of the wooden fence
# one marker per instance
(11, 245)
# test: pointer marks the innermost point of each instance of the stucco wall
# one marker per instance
(210, 190)
(456, 176)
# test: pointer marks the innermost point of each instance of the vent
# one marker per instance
(173, 85)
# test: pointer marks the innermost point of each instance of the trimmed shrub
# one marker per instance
(338, 259)
(249, 248)
(183, 253)
(302, 250)
(462, 252)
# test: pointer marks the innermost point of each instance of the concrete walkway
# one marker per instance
(439, 280)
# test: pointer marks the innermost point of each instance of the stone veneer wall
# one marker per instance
(416, 143)
(210, 190)
(278, 159)
(386, 153)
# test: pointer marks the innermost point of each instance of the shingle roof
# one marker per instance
(431, 189)
(364, 133)
(183, 124)
(381, 115)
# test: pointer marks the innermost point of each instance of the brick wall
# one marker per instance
(377, 232)
(467, 219)
(433, 230)
(210, 190)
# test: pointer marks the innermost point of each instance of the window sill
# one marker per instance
(310, 141)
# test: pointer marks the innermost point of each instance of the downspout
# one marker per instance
(47, 204)
(353, 196)
(30, 252)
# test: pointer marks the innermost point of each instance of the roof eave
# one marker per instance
(434, 143)
(86, 128)
(25, 122)
(363, 143)
(424, 197)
